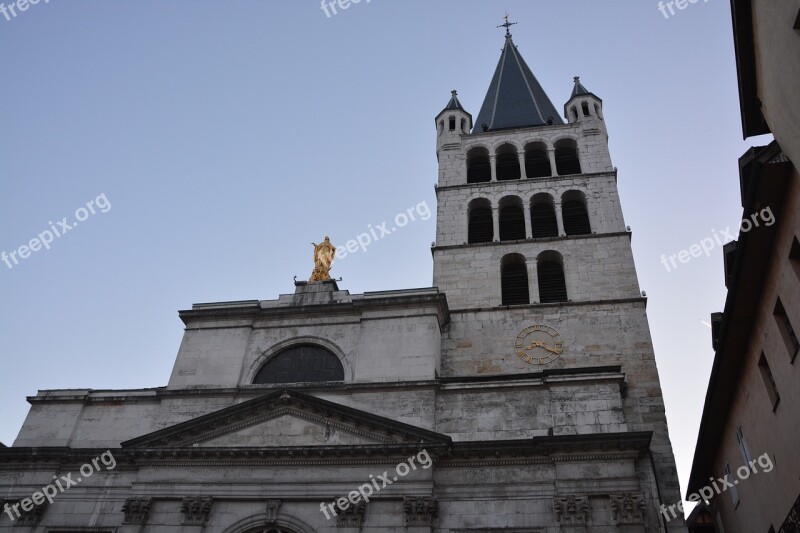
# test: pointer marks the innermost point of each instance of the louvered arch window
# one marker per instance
(574, 213)
(550, 274)
(567, 162)
(512, 219)
(508, 163)
(479, 169)
(537, 161)
(480, 223)
(543, 217)
(514, 280)
(303, 363)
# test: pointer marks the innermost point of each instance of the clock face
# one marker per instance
(538, 345)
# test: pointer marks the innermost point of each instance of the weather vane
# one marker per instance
(507, 25)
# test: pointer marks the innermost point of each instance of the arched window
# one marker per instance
(567, 162)
(508, 163)
(514, 280)
(598, 112)
(479, 170)
(303, 363)
(537, 162)
(550, 273)
(585, 107)
(512, 219)
(480, 225)
(574, 214)
(543, 216)
(452, 123)
(574, 111)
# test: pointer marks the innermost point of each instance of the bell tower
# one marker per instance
(534, 256)
(522, 193)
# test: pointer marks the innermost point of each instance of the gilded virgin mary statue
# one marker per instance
(323, 259)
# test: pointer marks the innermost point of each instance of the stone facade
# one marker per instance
(437, 415)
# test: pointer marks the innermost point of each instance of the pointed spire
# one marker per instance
(515, 98)
(454, 103)
(579, 88)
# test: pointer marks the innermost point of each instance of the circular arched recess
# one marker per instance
(300, 363)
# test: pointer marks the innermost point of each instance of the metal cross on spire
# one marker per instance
(507, 25)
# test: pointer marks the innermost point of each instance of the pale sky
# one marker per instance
(221, 138)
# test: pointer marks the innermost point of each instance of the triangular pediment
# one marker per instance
(289, 427)
(285, 419)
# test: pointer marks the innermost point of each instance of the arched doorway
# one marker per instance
(270, 529)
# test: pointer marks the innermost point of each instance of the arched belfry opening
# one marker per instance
(567, 162)
(480, 224)
(550, 274)
(514, 280)
(508, 163)
(575, 214)
(537, 161)
(512, 219)
(479, 169)
(543, 216)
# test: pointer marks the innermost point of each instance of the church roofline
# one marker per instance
(337, 302)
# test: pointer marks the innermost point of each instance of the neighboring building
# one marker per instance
(752, 407)
(522, 387)
(701, 520)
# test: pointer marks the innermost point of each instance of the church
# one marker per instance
(518, 394)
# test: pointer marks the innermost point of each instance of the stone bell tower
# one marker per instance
(535, 258)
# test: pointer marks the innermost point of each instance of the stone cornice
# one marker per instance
(537, 450)
(627, 234)
(612, 372)
(248, 312)
(537, 181)
(599, 303)
(159, 393)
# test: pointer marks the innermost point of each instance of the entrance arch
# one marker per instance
(270, 529)
(259, 524)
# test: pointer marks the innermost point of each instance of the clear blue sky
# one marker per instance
(227, 136)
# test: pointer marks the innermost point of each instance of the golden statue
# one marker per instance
(323, 259)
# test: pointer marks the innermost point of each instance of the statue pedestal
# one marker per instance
(310, 287)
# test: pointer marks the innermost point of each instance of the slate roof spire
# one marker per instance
(579, 88)
(515, 98)
(453, 103)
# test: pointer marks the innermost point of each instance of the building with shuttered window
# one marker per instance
(751, 417)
